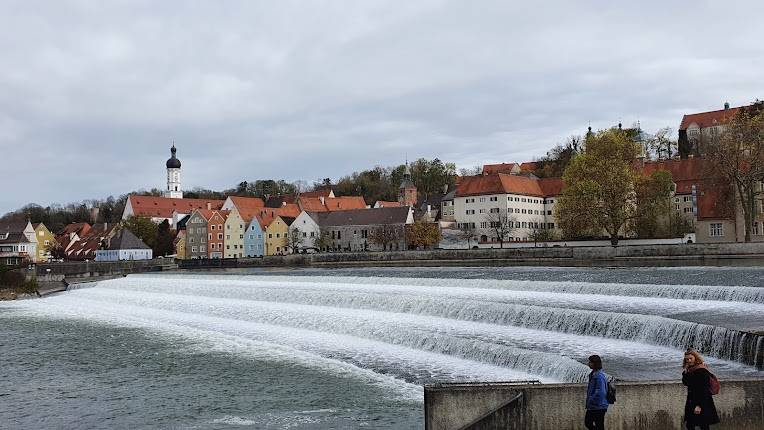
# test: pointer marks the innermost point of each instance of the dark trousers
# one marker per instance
(595, 419)
(700, 426)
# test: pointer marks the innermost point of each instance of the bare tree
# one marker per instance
(323, 241)
(541, 235)
(501, 223)
(737, 154)
(662, 145)
(294, 240)
(468, 232)
(386, 235)
(475, 170)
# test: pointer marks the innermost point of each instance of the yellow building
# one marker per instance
(44, 240)
(234, 235)
(276, 236)
(180, 245)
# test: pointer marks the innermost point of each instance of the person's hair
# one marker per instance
(596, 361)
(692, 352)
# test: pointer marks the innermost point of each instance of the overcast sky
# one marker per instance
(92, 93)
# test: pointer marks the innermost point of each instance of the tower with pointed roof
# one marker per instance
(173, 190)
(407, 193)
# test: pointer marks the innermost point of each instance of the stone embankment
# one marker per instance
(51, 278)
(638, 255)
(639, 406)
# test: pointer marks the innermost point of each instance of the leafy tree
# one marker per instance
(145, 230)
(542, 235)
(738, 156)
(164, 242)
(553, 164)
(323, 241)
(601, 186)
(385, 236)
(653, 205)
(422, 234)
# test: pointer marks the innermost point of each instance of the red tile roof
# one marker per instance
(319, 204)
(80, 228)
(499, 168)
(287, 210)
(714, 201)
(324, 192)
(551, 186)
(684, 172)
(501, 183)
(529, 166)
(162, 207)
(242, 203)
(707, 119)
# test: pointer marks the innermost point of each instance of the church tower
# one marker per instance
(173, 190)
(407, 194)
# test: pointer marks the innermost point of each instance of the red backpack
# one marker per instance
(713, 384)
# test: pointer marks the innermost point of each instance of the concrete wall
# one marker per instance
(645, 405)
(722, 253)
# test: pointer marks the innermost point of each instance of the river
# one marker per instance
(351, 348)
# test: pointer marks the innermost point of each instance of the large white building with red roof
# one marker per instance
(526, 200)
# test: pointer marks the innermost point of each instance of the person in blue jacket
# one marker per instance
(596, 395)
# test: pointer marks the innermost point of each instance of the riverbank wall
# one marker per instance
(639, 406)
(634, 255)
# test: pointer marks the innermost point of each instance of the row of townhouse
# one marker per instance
(101, 242)
(23, 241)
(250, 230)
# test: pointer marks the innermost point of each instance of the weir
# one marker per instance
(640, 406)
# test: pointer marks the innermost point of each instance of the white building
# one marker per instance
(307, 229)
(528, 202)
(173, 190)
(124, 245)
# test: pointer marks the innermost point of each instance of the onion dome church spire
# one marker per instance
(173, 190)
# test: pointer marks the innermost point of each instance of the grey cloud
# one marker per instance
(91, 95)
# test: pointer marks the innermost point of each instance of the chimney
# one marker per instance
(209, 206)
(726, 105)
(323, 200)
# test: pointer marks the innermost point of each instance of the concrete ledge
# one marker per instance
(640, 406)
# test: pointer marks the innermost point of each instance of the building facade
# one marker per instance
(234, 235)
(528, 204)
(360, 230)
(196, 234)
(45, 239)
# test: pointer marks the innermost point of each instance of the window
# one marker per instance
(470, 212)
(47, 242)
(41, 234)
(278, 235)
(241, 236)
(482, 211)
(523, 210)
(525, 224)
(483, 225)
(494, 199)
(312, 234)
(251, 236)
(228, 247)
(191, 240)
(470, 200)
(517, 210)
(494, 210)
(511, 224)
(209, 236)
(228, 226)
(549, 212)
(193, 249)
(524, 200)
(212, 227)
(220, 236)
(717, 229)
(270, 235)
(482, 199)
(551, 225)
(228, 237)
(517, 199)
(756, 230)
(536, 212)
(676, 200)
(339, 234)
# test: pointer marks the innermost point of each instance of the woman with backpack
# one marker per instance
(699, 410)
(596, 395)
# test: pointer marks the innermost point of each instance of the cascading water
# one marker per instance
(538, 330)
